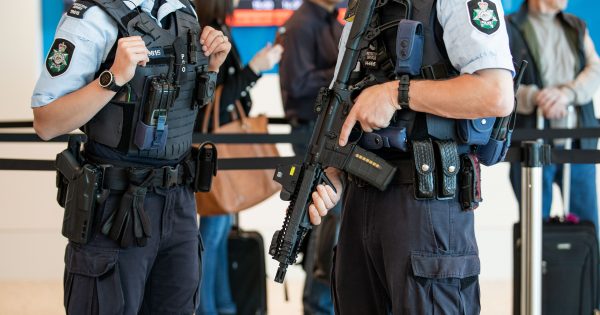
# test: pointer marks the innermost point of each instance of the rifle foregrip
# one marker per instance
(370, 168)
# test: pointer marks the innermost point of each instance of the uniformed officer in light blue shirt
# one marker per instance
(93, 38)
(396, 254)
(142, 253)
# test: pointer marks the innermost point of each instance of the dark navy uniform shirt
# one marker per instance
(309, 57)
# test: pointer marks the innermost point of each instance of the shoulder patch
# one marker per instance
(79, 8)
(60, 57)
(483, 15)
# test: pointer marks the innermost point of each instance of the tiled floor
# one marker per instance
(45, 297)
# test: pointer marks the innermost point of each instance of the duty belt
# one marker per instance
(119, 178)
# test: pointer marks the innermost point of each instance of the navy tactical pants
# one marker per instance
(160, 278)
(397, 255)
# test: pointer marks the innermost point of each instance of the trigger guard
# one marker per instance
(355, 130)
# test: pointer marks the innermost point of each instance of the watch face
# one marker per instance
(106, 78)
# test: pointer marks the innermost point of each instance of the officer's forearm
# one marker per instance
(71, 111)
(487, 93)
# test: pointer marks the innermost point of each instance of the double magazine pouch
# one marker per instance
(152, 130)
(409, 47)
(437, 165)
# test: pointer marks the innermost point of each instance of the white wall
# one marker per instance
(31, 246)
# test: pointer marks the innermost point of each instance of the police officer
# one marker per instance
(133, 73)
(411, 249)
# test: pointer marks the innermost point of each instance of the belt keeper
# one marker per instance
(170, 176)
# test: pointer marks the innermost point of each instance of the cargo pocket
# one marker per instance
(443, 284)
(92, 284)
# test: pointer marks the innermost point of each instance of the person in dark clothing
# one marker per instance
(236, 80)
(311, 47)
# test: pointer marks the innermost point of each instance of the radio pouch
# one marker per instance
(409, 47)
(152, 131)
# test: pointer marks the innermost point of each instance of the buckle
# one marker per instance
(170, 176)
(427, 72)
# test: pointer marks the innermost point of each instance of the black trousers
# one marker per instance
(160, 278)
(400, 256)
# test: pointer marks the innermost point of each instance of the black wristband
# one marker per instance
(403, 86)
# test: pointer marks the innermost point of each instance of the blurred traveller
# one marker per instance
(564, 70)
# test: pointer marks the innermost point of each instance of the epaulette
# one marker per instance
(78, 9)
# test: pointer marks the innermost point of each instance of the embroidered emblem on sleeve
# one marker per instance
(483, 16)
(60, 57)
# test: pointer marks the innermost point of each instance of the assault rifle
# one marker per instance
(300, 180)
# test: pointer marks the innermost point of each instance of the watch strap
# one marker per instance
(113, 86)
(403, 87)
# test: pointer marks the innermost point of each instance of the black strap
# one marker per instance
(117, 10)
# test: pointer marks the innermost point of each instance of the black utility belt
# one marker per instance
(438, 171)
(82, 186)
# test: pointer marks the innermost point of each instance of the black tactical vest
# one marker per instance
(169, 81)
(435, 64)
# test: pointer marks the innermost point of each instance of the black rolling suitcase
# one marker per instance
(569, 262)
(247, 271)
(569, 269)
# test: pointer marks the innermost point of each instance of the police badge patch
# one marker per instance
(59, 57)
(483, 16)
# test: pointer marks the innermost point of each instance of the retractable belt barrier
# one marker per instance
(514, 154)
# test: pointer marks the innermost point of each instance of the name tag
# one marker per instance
(156, 53)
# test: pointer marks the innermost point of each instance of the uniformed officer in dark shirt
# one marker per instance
(397, 253)
(311, 42)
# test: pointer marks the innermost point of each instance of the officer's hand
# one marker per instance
(324, 199)
(373, 109)
(553, 102)
(131, 52)
(266, 58)
(216, 45)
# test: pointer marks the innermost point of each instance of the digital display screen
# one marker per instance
(269, 4)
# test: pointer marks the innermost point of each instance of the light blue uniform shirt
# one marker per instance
(93, 36)
(469, 48)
